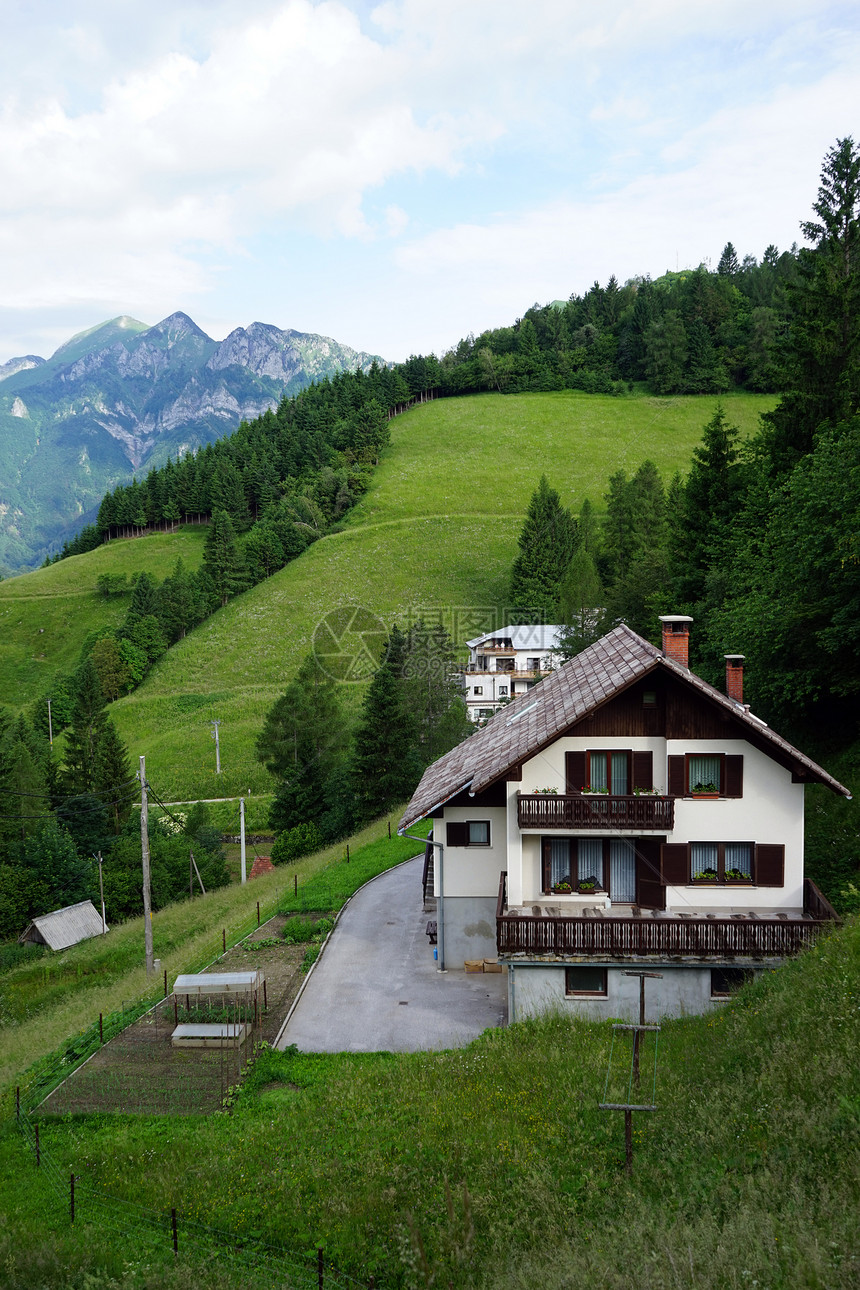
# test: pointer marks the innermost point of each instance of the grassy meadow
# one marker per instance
(492, 1166)
(435, 535)
(46, 615)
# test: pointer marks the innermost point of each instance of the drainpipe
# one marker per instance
(440, 916)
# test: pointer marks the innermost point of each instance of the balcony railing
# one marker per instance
(597, 811)
(664, 937)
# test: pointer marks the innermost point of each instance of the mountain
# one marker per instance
(120, 398)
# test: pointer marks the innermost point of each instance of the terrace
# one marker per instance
(585, 930)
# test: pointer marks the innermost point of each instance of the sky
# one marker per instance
(397, 175)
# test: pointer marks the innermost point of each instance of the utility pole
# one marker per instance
(242, 836)
(50, 727)
(101, 891)
(216, 724)
(144, 847)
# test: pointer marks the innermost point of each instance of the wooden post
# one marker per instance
(72, 1197)
(258, 913)
(265, 1000)
(347, 853)
(224, 940)
(165, 983)
(389, 830)
(244, 875)
(173, 1225)
(101, 1030)
(628, 1142)
(38, 1148)
(295, 884)
(18, 1102)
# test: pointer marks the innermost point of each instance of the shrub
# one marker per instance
(294, 843)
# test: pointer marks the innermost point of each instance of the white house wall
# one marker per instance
(770, 811)
(473, 871)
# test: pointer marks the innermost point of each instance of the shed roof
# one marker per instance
(65, 927)
(541, 715)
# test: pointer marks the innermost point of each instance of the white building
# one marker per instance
(624, 815)
(506, 663)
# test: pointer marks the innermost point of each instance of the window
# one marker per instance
(722, 862)
(607, 865)
(709, 774)
(725, 980)
(585, 980)
(503, 690)
(479, 689)
(649, 698)
(618, 773)
(478, 833)
(533, 665)
(467, 833)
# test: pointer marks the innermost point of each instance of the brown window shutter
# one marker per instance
(733, 773)
(574, 772)
(769, 865)
(456, 833)
(677, 774)
(643, 769)
(545, 865)
(675, 863)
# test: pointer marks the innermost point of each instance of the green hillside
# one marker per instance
(45, 615)
(436, 533)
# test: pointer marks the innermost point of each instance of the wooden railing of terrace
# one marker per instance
(594, 811)
(644, 936)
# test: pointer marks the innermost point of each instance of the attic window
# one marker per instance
(649, 698)
(522, 712)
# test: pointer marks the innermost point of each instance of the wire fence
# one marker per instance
(162, 1232)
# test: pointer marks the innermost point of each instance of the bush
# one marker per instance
(294, 843)
(303, 929)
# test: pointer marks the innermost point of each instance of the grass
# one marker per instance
(46, 615)
(492, 1166)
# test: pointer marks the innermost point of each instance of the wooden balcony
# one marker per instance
(596, 811)
(660, 936)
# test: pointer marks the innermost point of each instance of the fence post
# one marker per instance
(173, 1225)
(17, 1101)
(295, 884)
(38, 1147)
(72, 1196)
(347, 853)
(389, 830)
(320, 1267)
(224, 940)
(165, 983)
(258, 913)
(101, 1028)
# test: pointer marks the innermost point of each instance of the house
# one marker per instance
(506, 663)
(623, 815)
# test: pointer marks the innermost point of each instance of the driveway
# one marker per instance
(376, 988)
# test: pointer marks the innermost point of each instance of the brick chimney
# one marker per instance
(676, 638)
(735, 677)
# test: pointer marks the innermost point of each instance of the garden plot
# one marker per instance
(140, 1070)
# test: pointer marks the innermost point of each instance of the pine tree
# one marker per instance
(221, 558)
(85, 730)
(547, 543)
(380, 766)
(113, 780)
(823, 348)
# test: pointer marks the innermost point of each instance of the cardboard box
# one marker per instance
(474, 965)
(492, 965)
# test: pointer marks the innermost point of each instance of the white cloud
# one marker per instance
(143, 147)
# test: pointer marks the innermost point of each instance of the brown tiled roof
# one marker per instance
(535, 719)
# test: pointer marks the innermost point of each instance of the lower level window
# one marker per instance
(585, 981)
(478, 833)
(724, 981)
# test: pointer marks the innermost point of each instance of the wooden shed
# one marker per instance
(65, 927)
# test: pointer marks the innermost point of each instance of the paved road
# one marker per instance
(376, 988)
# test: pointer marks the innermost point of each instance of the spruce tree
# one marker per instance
(547, 543)
(85, 730)
(380, 771)
(222, 561)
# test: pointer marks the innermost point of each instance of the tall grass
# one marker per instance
(492, 1166)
